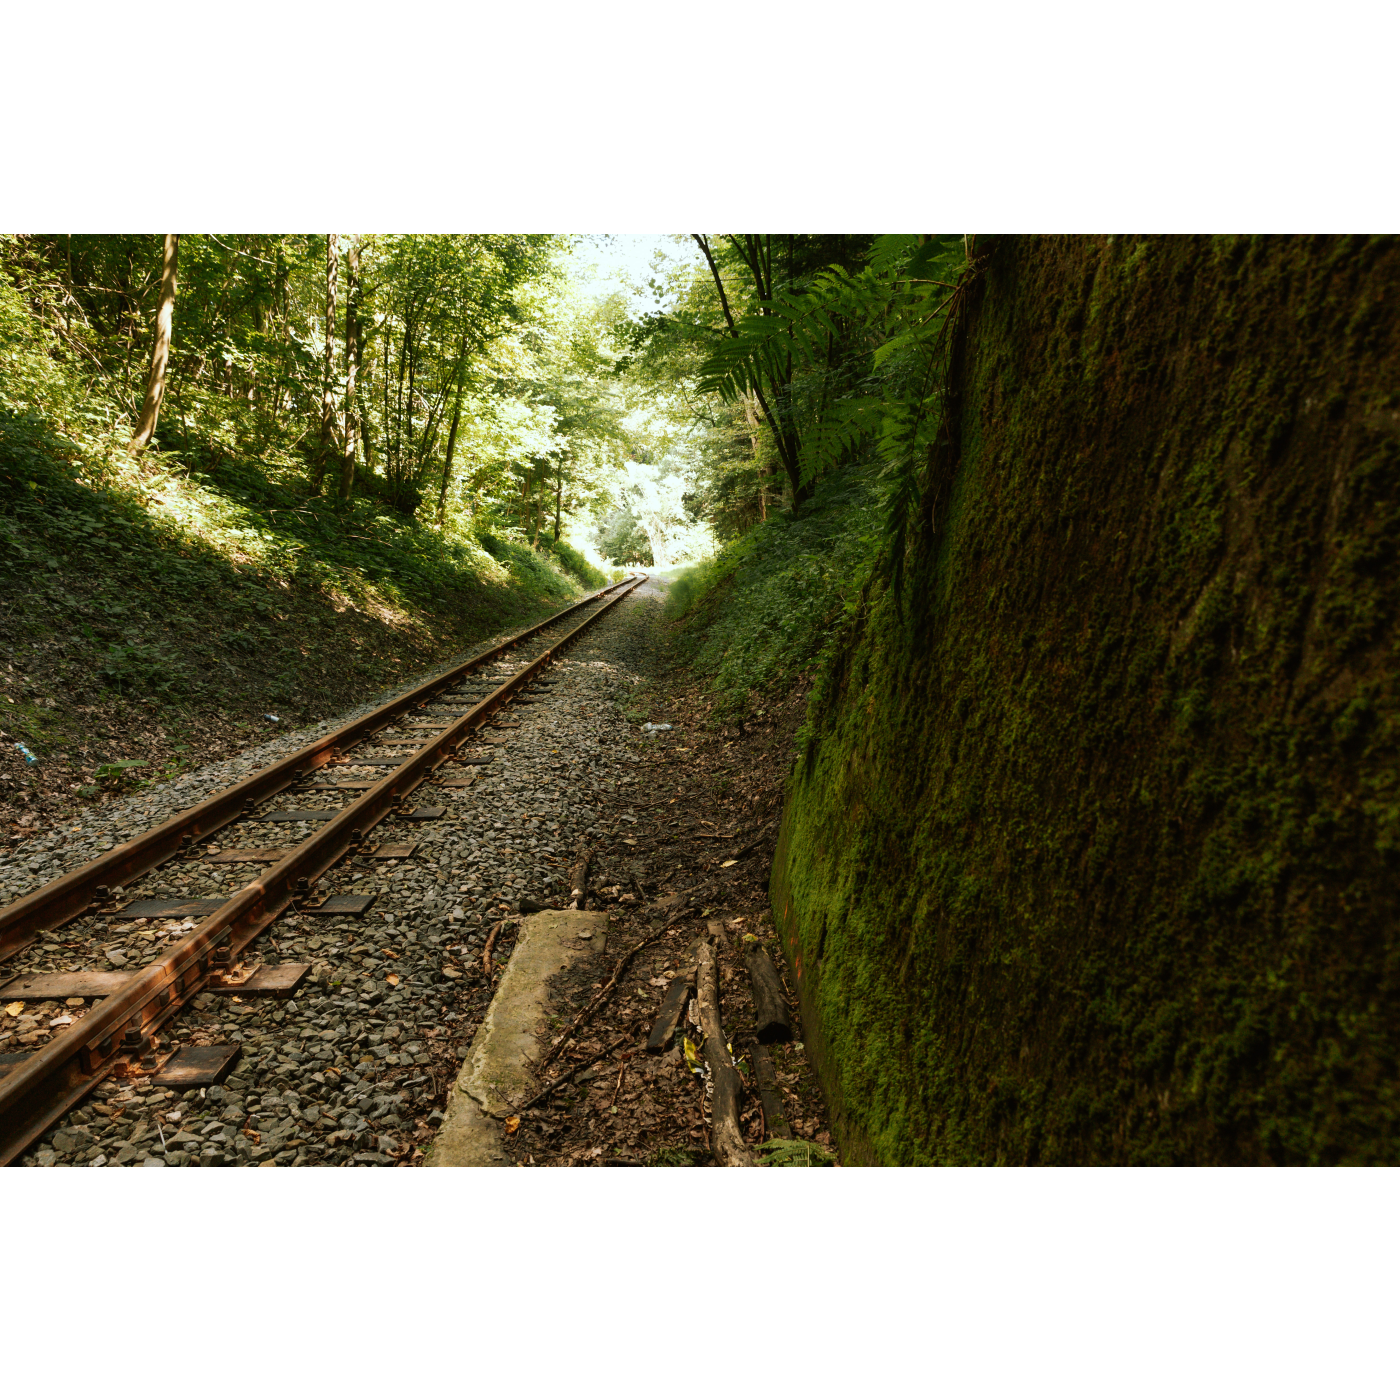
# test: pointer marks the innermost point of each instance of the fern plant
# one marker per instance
(857, 366)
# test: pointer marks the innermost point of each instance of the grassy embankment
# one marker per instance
(755, 620)
(155, 608)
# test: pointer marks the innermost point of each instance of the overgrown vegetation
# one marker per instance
(767, 608)
(818, 366)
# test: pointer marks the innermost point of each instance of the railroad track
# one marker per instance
(121, 1033)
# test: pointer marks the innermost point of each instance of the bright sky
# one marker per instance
(601, 262)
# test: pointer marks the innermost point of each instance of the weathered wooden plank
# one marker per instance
(54, 986)
(281, 980)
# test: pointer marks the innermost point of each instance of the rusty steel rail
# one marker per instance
(68, 896)
(119, 1029)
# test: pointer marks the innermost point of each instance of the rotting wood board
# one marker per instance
(280, 980)
(393, 850)
(197, 1066)
(340, 904)
(171, 908)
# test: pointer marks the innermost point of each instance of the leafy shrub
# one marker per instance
(793, 1152)
(765, 608)
(575, 564)
(118, 771)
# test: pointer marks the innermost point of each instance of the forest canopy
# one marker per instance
(644, 400)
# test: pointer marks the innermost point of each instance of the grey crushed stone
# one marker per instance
(339, 1075)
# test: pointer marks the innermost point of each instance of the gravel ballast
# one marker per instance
(352, 1070)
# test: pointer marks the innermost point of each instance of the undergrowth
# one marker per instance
(764, 609)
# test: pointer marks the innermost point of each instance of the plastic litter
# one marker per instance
(28, 757)
(273, 718)
(654, 728)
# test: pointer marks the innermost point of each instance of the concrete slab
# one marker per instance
(495, 1074)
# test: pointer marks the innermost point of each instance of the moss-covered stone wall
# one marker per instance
(1094, 853)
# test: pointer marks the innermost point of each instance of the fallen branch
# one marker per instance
(775, 1122)
(726, 1136)
(569, 1073)
(772, 1018)
(586, 1014)
(668, 1018)
(673, 1004)
(621, 1075)
(490, 944)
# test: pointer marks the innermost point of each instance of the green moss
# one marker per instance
(1092, 852)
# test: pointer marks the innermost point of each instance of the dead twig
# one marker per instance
(578, 881)
(586, 1014)
(621, 1075)
(490, 944)
(569, 1073)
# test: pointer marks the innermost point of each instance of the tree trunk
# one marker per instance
(539, 511)
(126, 313)
(787, 447)
(775, 1122)
(352, 369)
(765, 469)
(327, 441)
(160, 351)
(452, 438)
(558, 499)
(656, 538)
(282, 299)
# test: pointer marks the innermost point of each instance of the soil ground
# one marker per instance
(702, 853)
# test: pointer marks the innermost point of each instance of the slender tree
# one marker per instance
(160, 351)
(352, 368)
(784, 439)
(327, 440)
(452, 432)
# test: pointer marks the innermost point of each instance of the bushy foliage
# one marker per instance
(850, 366)
(769, 604)
(72, 494)
(620, 536)
(575, 564)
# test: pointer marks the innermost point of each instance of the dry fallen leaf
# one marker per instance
(392, 979)
(512, 1123)
(725, 863)
(14, 1008)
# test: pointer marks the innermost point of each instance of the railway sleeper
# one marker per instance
(121, 1036)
